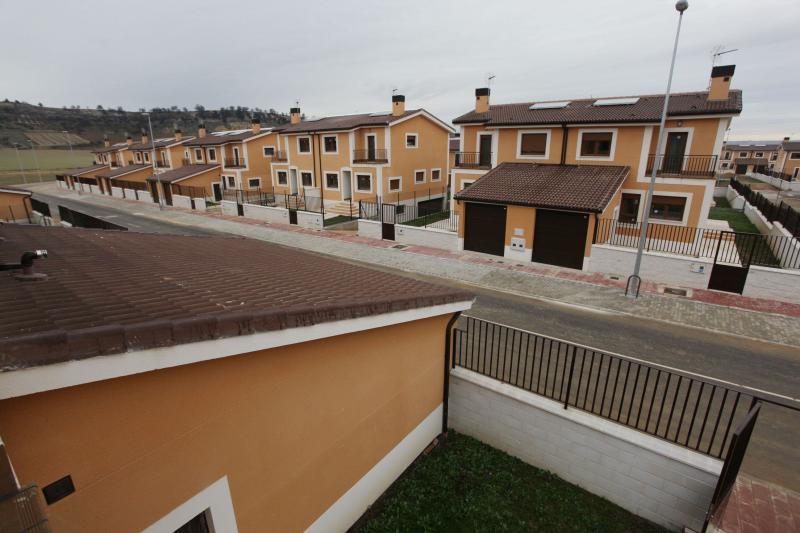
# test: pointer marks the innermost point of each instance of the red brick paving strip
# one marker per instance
(760, 507)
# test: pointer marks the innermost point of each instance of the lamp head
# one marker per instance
(681, 6)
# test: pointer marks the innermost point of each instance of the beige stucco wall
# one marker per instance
(14, 206)
(293, 428)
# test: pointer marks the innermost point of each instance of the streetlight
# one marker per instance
(634, 281)
(72, 156)
(159, 188)
(19, 161)
(36, 160)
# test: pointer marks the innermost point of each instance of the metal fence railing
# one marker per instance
(434, 213)
(687, 409)
(23, 511)
(190, 190)
(82, 220)
(783, 212)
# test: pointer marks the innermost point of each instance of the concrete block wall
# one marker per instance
(145, 196)
(369, 228)
(773, 284)
(273, 215)
(667, 484)
(117, 192)
(660, 267)
(200, 204)
(228, 208)
(309, 220)
(179, 200)
(435, 238)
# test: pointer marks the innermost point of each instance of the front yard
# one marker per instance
(465, 485)
(735, 217)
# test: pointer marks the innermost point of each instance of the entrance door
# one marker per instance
(559, 238)
(347, 185)
(293, 181)
(485, 228)
(485, 151)
(676, 149)
(741, 169)
(153, 191)
(388, 219)
(371, 147)
(217, 188)
(732, 259)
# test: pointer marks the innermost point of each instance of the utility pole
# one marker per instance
(159, 188)
(19, 161)
(36, 160)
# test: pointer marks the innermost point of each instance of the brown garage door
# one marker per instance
(559, 238)
(485, 228)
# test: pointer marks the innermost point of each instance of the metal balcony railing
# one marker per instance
(23, 512)
(279, 155)
(162, 164)
(473, 159)
(376, 155)
(234, 162)
(700, 166)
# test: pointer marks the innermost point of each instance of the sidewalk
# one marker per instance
(732, 314)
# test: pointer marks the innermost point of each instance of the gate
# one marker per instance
(730, 468)
(734, 254)
(293, 216)
(388, 219)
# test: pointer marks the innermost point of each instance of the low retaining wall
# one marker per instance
(145, 196)
(200, 204)
(435, 238)
(117, 192)
(773, 283)
(369, 228)
(309, 220)
(659, 267)
(179, 200)
(776, 182)
(228, 208)
(274, 215)
(667, 484)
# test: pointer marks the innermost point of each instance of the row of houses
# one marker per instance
(778, 157)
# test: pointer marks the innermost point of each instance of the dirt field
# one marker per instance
(51, 162)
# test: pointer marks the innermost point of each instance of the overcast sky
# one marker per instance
(340, 57)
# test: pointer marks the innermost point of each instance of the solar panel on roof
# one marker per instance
(382, 114)
(549, 105)
(616, 101)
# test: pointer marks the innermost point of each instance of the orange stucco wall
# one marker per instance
(201, 180)
(14, 206)
(138, 175)
(293, 428)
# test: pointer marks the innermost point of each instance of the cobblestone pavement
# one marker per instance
(764, 320)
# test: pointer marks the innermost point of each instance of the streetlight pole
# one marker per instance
(159, 188)
(36, 160)
(72, 156)
(19, 161)
(634, 280)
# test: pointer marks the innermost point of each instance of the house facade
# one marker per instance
(788, 162)
(398, 156)
(741, 158)
(618, 132)
(15, 204)
(276, 412)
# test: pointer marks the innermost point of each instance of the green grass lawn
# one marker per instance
(735, 217)
(427, 220)
(465, 485)
(48, 159)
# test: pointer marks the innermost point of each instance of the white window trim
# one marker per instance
(209, 152)
(389, 183)
(757, 156)
(264, 153)
(228, 181)
(357, 174)
(215, 500)
(338, 180)
(466, 182)
(686, 209)
(742, 154)
(366, 143)
(198, 159)
(310, 148)
(250, 186)
(416, 141)
(300, 178)
(336, 138)
(546, 155)
(146, 157)
(614, 135)
(792, 156)
(440, 175)
(478, 135)
(796, 172)
(138, 157)
(424, 176)
(276, 181)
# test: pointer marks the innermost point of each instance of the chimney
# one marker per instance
(398, 104)
(129, 140)
(145, 138)
(201, 131)
(786, 138)
(256, 125)
(106, 142)
(294, 115)
(482, 100)
(178, 134)
(720, 82)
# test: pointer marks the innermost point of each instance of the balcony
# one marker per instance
(234, 162)
(185, 161)
(686, 166)
(473, 159)
(376, 155)
(162, 164)
(279, 155)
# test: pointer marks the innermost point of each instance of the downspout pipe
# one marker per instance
(564, 138)
(446, 388)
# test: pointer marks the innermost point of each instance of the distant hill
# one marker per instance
(21, 122)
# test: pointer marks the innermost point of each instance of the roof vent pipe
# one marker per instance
(26, 265)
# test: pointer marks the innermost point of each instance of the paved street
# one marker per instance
(580, 313)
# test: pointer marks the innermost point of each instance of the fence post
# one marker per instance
(569, 381)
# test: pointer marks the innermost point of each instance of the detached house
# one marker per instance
(112, 155)
(533, 179)
(400, 156)
(741, 158)
(169, 152)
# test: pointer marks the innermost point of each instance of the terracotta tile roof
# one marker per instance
(752, 147)
(120, 171)
(160, 143)
(223, 137)
(182, 173)
(117, 291)
(752, 161)
(113, 147)
(15, 190)
(84, 170)
(791, 145)
(345, 122)
(568, 187)
(582, 111)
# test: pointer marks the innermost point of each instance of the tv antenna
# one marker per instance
(489, 78)
(394, 91)
(719, 50)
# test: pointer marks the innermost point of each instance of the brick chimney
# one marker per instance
(201, 131)
(178, 134)
(720, 82)
(106, 142)
(145, 138)
(129, 140)
(786, 138)
(398, 104)
(256, 125)
(294, 115)
(482, 100)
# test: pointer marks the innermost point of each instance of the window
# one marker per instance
(304, 145)
(395, 184)
(331, 180)
(254, 183)
(596, 144)
(146, 157)
(794, 155)
(533, 144)
(138, 157)
(742, 154)
(774, 156)
(668, 208)
(212, 154)
(283, 177)
(307, 179)
(419, 176)
(727, 155)
(412, 140)
(466, 183)
(198, 154)
(759, 154)
(436, 174)
(231, 181)
(364, 182)
(629, 208)
(269, 151)
(724, 165)
(329, 144)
